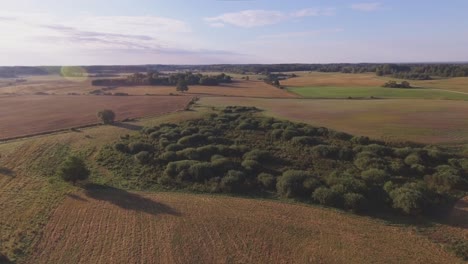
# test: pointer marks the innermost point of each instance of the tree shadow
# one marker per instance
(127, 200)
(4, 259)
(458, 217)
(76, 197)
(128, 126)
(7, 172)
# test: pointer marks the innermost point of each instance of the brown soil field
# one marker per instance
(424, 121)
(27, 115)
(121, 227)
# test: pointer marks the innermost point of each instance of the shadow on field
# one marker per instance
(128, 126)
(7, 172)
(459, 215)
(127, 200)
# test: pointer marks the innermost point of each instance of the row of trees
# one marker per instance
(394, 84)
(156, 78)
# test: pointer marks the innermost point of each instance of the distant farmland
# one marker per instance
(122, 227)
(377, 92)
(424, 121)
(27, 115)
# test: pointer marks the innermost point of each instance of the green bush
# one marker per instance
(233, 181)
(375, 176)
(169, 156)
(408, 200)
(251, 165)
(354, 202)
(258, 155)
(325, 151)
(175, 168)
(136, 147)
(73, 169)
(304, 140)
(412, 159)
(121, 147)
(266, 180)
(106, 116)
(326, 196)
(174, 147)
(360, 140)
(143, 157)
(193, 140)
(201, 172)
(291, 183)
(189, 153)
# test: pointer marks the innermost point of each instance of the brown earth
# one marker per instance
(27, 115)
(121, 227)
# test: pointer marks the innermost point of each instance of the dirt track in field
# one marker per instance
(33, 114)
(121, 227)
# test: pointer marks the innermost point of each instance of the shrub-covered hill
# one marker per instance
(238, 151)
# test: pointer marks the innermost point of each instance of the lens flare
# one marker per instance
(74, 73)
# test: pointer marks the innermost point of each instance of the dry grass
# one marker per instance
(26, 115)
(121, 227)
(28, 189)
(425, 121)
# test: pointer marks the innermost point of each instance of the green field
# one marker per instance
(377, 92)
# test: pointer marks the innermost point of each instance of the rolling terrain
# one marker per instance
(101, 226)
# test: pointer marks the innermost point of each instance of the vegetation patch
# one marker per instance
(237, 151)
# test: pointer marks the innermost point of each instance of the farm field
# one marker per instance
(101, 226)
(377, 92)
(27, 115)
(424, 121)
(56, 85)
(321, 79)
(237, 88)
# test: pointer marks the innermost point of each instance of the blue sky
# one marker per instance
(88, 32)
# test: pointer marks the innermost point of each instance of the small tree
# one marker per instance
(182, 86)
(106, 116)
(73, 169)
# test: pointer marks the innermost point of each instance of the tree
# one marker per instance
(182, 86)
(73, 169)
(276, 83)
(106, 116)
(408, 200)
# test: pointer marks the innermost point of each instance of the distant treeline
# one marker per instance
(156, 78)
(419, 71)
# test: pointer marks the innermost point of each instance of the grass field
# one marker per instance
(119, 226)
(26, 115)
(320, 79)
(377, 92)
(425, 121)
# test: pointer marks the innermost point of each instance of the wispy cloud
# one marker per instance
(366, 7)
(298, 34)
(258, 18)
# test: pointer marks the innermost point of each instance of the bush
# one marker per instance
(121, 147)
(174, 169)
(413, 159)
(136, 147)
(258, 155)
(251, 165)
(410, 201)
(304, 140)
(354, 202)
(324, 151)
(360, 140)
(168, 156)
(106, 116)
(193, 140)
(326, 196)
(375, 176)
(266, 180)
(189, 153)
(174, 147)
(201, 172)
(143, 157)
(73, 169)
(233, 181)
(291, 183)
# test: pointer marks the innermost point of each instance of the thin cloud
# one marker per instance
(258, 18)
(298, 34)
(367, 7)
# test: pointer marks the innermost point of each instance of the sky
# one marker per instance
(104, 32)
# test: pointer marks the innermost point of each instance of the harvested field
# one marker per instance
(424, 121)
(237, 88)
(115, 226)
(27, 115)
